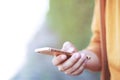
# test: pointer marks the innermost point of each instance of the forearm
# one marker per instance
(93, 63)
(94, 47)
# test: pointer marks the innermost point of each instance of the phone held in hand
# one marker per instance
(54, 52)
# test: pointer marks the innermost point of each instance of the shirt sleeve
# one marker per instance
(94, 45)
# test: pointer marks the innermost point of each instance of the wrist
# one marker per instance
(93, 62)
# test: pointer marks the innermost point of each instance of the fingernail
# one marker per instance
(59, 69)
(67, 42)
(71, 49)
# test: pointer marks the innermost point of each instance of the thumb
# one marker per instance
(69, 47)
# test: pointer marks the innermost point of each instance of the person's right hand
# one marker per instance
(73, 65)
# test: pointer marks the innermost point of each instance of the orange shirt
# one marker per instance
(112, 35)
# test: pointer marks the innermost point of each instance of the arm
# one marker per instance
(94, 45)
(78, 62)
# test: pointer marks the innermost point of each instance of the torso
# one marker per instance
(113, 37)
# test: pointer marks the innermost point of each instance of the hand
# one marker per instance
(73, 65)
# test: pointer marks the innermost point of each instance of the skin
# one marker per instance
(78, 62)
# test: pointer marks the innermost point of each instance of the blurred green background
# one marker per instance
(71, 20)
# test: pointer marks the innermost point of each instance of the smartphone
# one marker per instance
(53, 51)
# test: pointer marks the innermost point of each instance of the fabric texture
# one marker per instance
(112, 21)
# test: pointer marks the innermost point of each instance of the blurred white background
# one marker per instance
(19, 20)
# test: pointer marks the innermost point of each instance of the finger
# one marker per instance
(59, 59)
(79, 70)
(70, 62)
(69, 47)
(76, 65)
